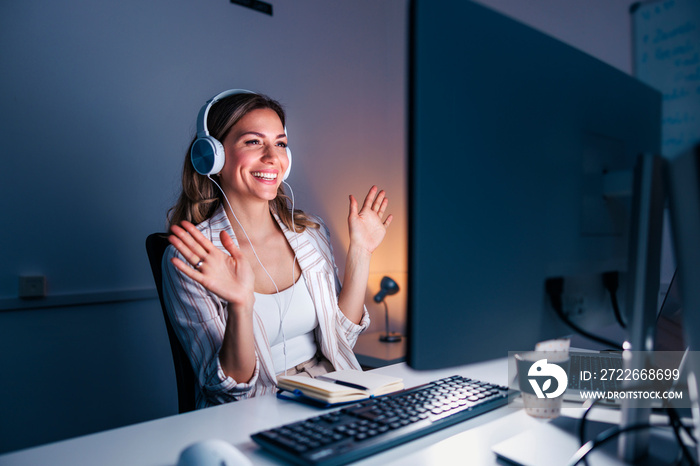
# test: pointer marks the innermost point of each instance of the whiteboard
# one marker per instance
(666, 41)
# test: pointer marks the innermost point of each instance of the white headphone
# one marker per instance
(207, 153)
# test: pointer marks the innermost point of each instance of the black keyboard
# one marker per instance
(364, 428)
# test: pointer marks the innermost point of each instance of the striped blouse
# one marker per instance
(199, 316)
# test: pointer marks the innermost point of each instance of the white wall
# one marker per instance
(99, 103)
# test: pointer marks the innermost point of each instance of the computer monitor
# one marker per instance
(684, 183)
(669, 324)
(521, 150)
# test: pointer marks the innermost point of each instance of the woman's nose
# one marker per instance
(269, 154)
(266, 151)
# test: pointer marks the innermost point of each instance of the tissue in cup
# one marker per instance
(543, 376)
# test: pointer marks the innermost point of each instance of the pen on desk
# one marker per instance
(340, 382)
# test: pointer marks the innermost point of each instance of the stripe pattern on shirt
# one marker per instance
(199, 317)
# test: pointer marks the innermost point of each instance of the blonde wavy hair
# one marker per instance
(200, 198)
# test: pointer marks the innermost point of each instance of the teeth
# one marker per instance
(265, 176)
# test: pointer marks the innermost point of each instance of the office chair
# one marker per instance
(156, 243)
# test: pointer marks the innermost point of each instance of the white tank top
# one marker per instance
(298, 326)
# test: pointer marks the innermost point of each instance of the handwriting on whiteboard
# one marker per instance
(667, 57)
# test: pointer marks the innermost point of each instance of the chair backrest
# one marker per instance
(156, 243)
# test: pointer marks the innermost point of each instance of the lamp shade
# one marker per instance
(387, 287)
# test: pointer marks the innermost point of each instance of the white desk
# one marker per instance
(159, 442)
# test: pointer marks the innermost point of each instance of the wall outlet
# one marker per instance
(32, 287)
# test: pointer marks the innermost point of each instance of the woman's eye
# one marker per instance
(253, 141)
(282, 144)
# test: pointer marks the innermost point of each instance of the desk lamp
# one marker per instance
(387, 287)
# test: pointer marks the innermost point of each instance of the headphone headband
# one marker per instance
(202, 129)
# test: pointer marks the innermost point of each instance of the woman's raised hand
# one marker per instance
(367, 226)
(229, 277)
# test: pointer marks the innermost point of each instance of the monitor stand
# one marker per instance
(648, 200)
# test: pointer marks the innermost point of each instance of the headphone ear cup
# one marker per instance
(289, 167)
(207, 155)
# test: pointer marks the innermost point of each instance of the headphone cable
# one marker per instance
(277, 294)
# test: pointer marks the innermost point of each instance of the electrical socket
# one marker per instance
(32, 287)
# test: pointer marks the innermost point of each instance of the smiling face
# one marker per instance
(256, 156)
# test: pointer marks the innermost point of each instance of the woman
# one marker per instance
(252, 290)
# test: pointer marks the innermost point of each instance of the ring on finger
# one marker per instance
(198, 265)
